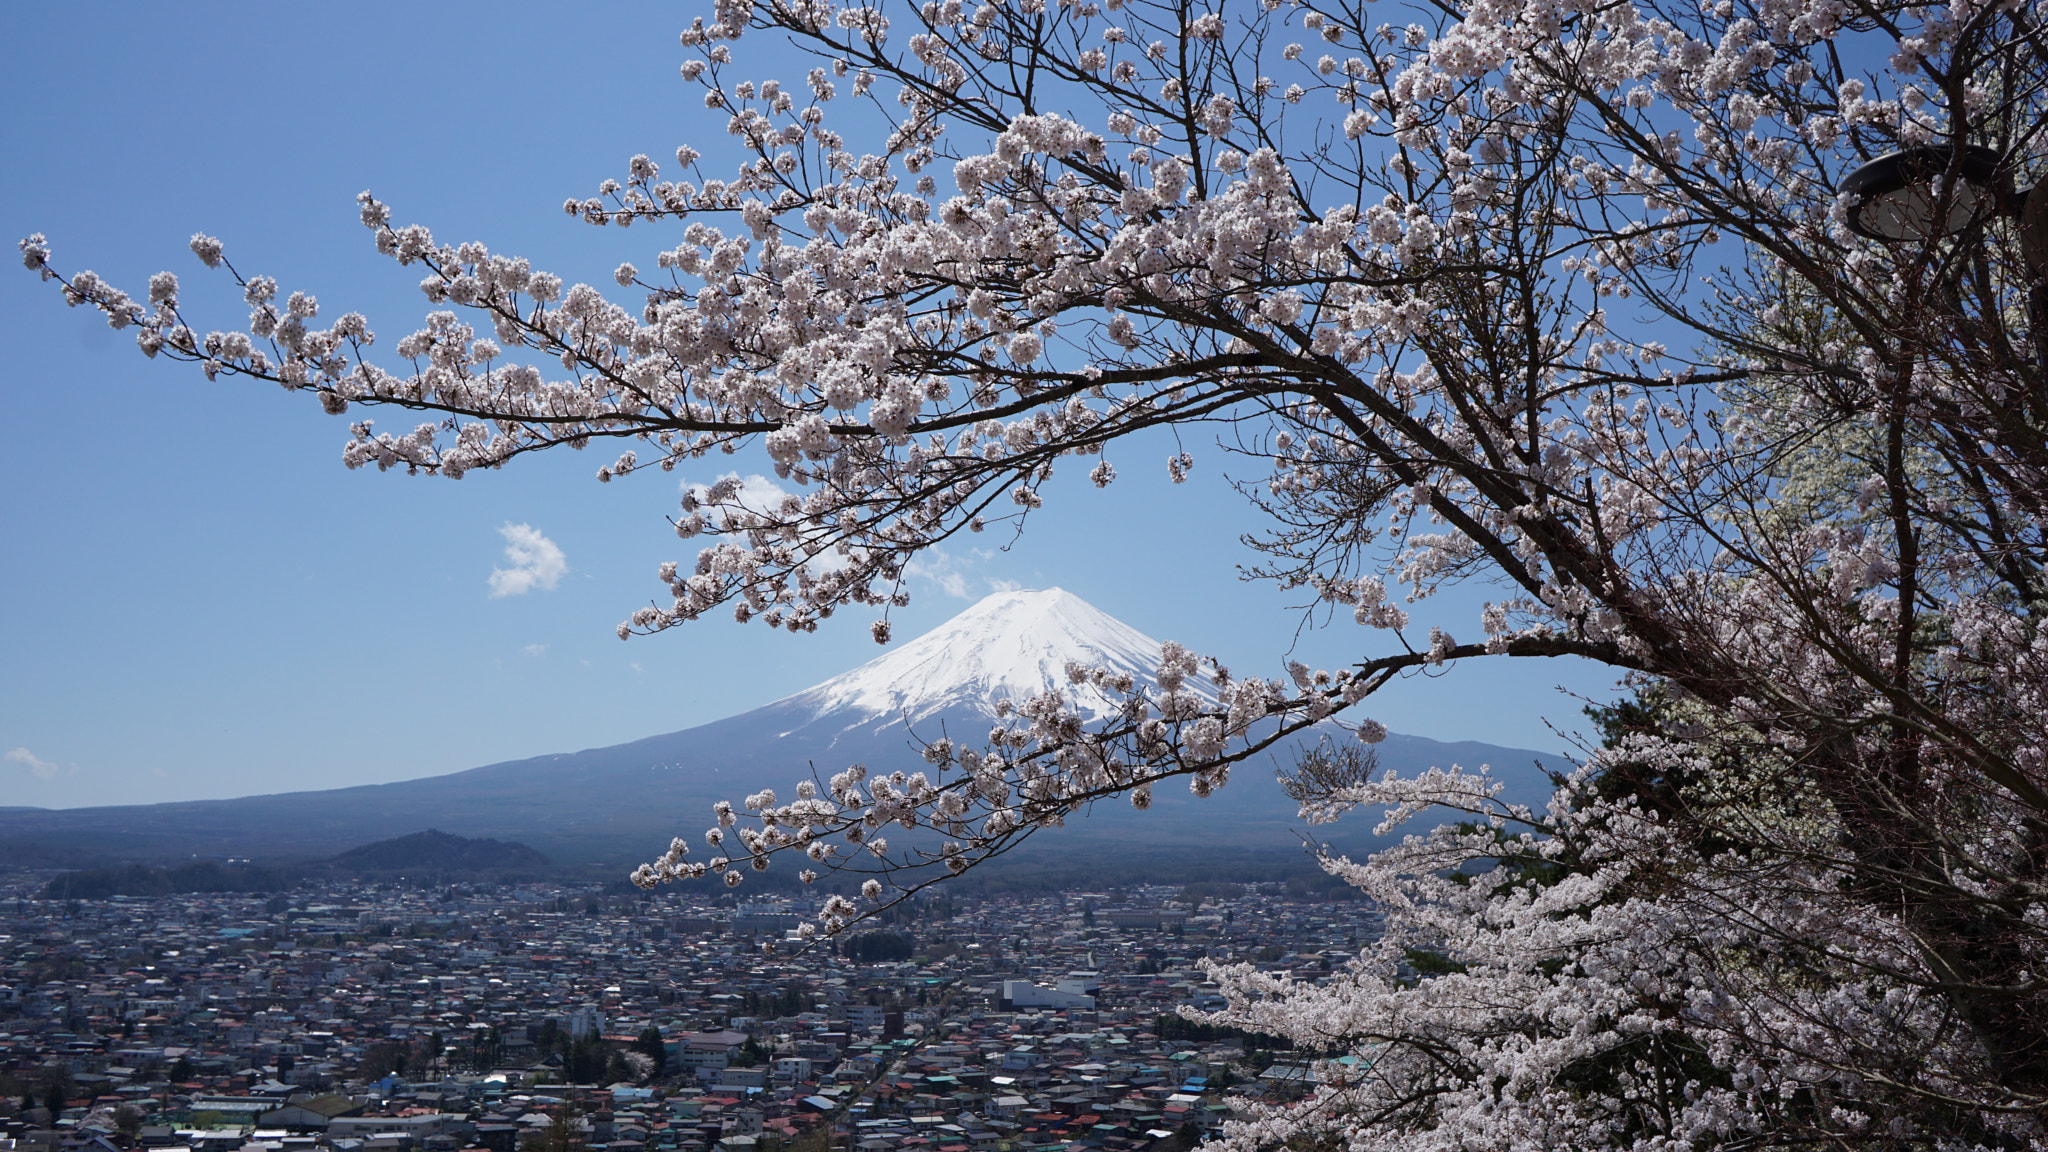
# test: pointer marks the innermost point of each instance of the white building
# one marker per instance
(1019, 994)
(584, 1020)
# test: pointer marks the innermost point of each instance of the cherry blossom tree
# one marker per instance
(1557, 295)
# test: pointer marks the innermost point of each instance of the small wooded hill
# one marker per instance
(439, 852)
(433, 854)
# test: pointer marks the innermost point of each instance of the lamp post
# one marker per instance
(1939, 190)
(1924, 193)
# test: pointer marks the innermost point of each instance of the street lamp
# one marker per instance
(1908, 195)
(1905, 196)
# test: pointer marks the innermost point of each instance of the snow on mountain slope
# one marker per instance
(1011, 644)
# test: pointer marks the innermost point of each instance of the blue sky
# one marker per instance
(200, 601)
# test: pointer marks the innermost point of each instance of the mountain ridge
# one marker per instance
(624, 801)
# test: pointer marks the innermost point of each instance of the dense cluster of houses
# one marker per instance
(541, 1018)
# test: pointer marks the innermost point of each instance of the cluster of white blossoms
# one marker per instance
(1575, 1004)
(1431, 278)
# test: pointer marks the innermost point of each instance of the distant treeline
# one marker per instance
(1175, 1028)
(877, 947)
(433, 859)
(1218, 875)
(1212, 875)
(429, 858)
(143, 880)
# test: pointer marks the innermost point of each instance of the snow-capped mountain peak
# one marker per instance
(1011, 644)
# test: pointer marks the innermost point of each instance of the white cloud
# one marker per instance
(36, 766)
(535, 562)
(762, 496)
(940, 569)
(535, 650)
(757, 493)
(951, 573)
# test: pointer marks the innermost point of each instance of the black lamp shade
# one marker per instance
(1894, 196)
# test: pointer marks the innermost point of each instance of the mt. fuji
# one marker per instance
(1011, 644)
(628, 799)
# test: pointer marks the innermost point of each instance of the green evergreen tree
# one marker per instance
(649, 1043)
